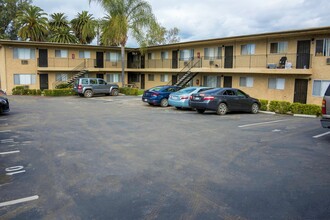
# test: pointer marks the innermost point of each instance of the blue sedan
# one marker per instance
(159, 95)
(180, 99)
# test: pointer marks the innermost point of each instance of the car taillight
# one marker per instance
(155, 94)
(191, 97)
(209, 98)
(79, 87)
(184, 97)
(324, 107)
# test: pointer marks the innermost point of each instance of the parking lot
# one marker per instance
(119, 158)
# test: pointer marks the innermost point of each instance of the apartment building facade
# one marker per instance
(292, 66)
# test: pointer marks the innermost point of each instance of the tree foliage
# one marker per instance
(9, 9)
(84, 27)
(32, 24)
(60, 30)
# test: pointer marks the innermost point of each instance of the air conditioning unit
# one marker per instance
(24, 62)
(328, 61)
(185, 63)
(114, 63)
(211, 62)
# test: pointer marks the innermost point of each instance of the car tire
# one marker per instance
(150, 104)
(164, 103)
(178, 107)
(254, 108)
(88, 93)
(200, 111)
(114, 92)
(222, 109)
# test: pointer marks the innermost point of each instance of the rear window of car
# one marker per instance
(327, 93)
(84, 81)
(156, 89)
(186, 90)
(212, 91)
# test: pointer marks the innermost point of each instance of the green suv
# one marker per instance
(89, 86)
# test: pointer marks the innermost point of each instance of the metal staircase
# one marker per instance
(185, 75)
(76, 76)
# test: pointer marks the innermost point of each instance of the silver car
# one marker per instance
(89, 86)
(325, 120)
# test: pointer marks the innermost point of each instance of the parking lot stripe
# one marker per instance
(13, 202)
(261, 123)
(320, 135)
(9, 152)
(5, 131)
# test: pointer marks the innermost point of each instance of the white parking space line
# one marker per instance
(9, 152)
(261, 123)
(13, 202)
(7, 141)
(3, 119)
(5, 131)
(321, 135)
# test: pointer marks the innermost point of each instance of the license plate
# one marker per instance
(197, 98)
(174, 97)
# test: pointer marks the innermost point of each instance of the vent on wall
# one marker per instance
(24, 62)
(328, 61)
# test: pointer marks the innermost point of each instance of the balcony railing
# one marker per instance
(271, 61)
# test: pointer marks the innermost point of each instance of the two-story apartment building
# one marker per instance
(290, 65)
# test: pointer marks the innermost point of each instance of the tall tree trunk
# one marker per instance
(122, 65)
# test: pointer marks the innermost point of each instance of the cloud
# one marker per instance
(198, 20)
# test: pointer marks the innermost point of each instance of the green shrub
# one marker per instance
(264, 105)
(306, 109)
(63, 86)
(281, 107)
(59, 92)
(20, 90)
(130, 91)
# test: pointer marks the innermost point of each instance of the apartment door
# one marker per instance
(143, 81)
(43, 79)
(300, 90)
(142, 61)
(99, 60)
(227, 81)
(229, 55)
(174, 59)
(43, 58)
(303, 54)
(100, 75)
(174, 79)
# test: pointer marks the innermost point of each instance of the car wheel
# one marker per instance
(222, 109)
(164, 103)
(177, 107)
(255, 108)
(200, 111)
(88, 93)
(114, 92)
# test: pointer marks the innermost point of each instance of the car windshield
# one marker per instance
(186, 90)
(156, 89)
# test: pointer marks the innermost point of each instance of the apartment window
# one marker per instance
(151, 56)
(164, 77)
(279, 47)
(63, 77)
(186, 54)
(322, 47)
(113, 56)
(61, 53)
(212, 81)
(24, 53)
(24, 79)
(276, 83)
(164, 55)
(113, 77)
(246, 81)
(248, 49)
(320, 86)
(212, 53)
(151, 77)
(85, 54)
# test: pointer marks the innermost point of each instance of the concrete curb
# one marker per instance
(295, 115)
(267, 112)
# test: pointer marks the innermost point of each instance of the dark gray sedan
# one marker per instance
(223, 100)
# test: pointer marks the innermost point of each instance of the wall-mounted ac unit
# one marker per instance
(114, 63)
(328, 61)
(185, 63)
(24, 62)
(211, 62)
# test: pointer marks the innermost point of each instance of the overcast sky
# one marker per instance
(206, 19)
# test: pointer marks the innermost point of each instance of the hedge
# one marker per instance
(59, 92)
(130, 91)
(281, 107)
(264, 105)
(306, 109)
(63, 86)
(24, 90)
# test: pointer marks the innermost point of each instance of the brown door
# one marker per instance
(300, 90)
(174, 59)
(143, 80)
(43, 58)
(303, 54)
(99, 60)
(229, 56)
(43, 79)
(227, 81)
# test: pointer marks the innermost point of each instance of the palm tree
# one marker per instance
(84, 26)
(32, 24)
(124, 16)
(60, 31)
